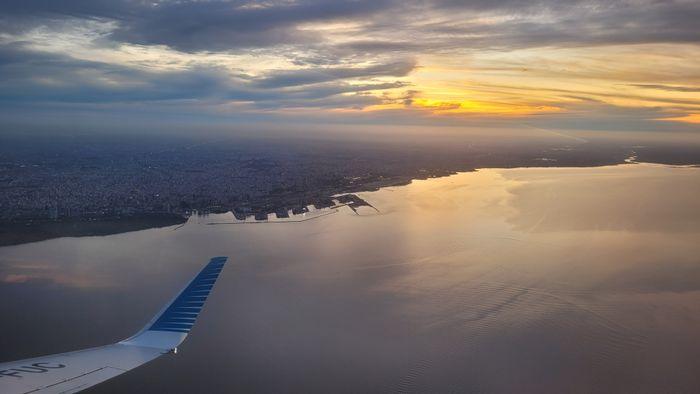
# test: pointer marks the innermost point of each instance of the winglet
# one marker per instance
(171, 325)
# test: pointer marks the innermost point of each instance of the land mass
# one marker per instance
(15, 233)
(53, 186)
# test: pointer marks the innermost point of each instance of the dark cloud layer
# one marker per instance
(199, 26)
(315, 75)
(398, 25)
(32, 76)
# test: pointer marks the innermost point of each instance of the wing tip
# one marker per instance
(179, 315)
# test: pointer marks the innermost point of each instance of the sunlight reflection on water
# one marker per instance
(526, 280)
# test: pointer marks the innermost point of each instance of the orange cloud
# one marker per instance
(481, 107)
(690, 118)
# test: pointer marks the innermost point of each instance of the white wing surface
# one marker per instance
(75, 371)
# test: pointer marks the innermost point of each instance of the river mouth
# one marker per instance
(499, 280)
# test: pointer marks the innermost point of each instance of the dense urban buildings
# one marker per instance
(96, 177)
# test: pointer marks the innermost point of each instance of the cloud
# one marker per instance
(32, 76)
(28, 75)
(670, 88)
(565, 23)
(379, 25)
(193, 26)
(281, 54)
(315, 75)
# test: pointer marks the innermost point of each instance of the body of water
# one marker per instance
(500, 280)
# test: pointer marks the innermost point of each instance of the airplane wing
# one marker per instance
(75, 371)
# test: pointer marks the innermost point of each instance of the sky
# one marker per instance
(600, 65)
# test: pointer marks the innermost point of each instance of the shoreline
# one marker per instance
(18, 233)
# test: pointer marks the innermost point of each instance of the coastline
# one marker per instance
(17, 233)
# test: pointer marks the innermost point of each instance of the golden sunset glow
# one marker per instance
(691, 118)
(482, 108)
(605, 62)
(542, 81)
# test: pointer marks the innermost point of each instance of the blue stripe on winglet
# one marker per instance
(180, 315)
